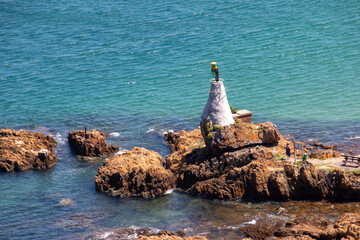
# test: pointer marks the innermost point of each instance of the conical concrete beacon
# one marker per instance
(217, 109)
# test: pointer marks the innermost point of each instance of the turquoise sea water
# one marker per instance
(141, 68)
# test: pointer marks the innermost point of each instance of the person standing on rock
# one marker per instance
(288, 154)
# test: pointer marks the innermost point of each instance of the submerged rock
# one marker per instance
(67, 202)
(138, 173)
(144, 234)
(166, 235)
(22, 150)
(90, 144)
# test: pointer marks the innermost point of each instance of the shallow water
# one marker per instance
(138, 70)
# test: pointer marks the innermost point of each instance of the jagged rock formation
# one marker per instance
(137, 173)
(239, 135)
(268, 180)
(232, 174)
(217, 109)
(22, 150)
(182, 143)
(90, 144)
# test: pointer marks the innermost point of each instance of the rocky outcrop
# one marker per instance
(22, 150)
(138, 173)
(246, 172)
(90, 144)
(324, 154)
(322, 151)
(238, 135)
(182, 143)
(269, 180)
(311, 227)
(258, 231)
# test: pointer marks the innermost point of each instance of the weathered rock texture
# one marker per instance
(311, 227)
(233, 174)
(239, 135)
(269, 180)
(138, 173)
(22, 150)
(90, 144)
(182, 143)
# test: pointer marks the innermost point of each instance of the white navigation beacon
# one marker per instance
(217, 109)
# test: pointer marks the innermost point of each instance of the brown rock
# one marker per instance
(232, 174)
(138, 173)
(269, 180)
(314, 227)
(324, 154)
(258, 231)
(238, 135)
(22, 150)
(348, 226)
(91, 144)
(182, 143)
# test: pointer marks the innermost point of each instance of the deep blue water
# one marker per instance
(140, 68)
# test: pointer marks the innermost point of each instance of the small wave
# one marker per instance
(163, 131)
(150, 130)
(106, 234)
(252, 222)
(59, 139)
(122, 151)
(114, 134)
(352, 138)
(169, 191)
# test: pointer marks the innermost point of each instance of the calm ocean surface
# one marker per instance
(140, 68)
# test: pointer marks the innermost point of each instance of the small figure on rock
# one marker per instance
(288, 154)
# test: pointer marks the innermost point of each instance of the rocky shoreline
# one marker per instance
(242, 161)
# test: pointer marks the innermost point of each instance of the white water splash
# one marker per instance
(114, 134)
(168, 191)
(106, 234)
(150, 130)
(59, 139)
(122, 151)
(252, 222)
(163, 131)
(352, 138)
